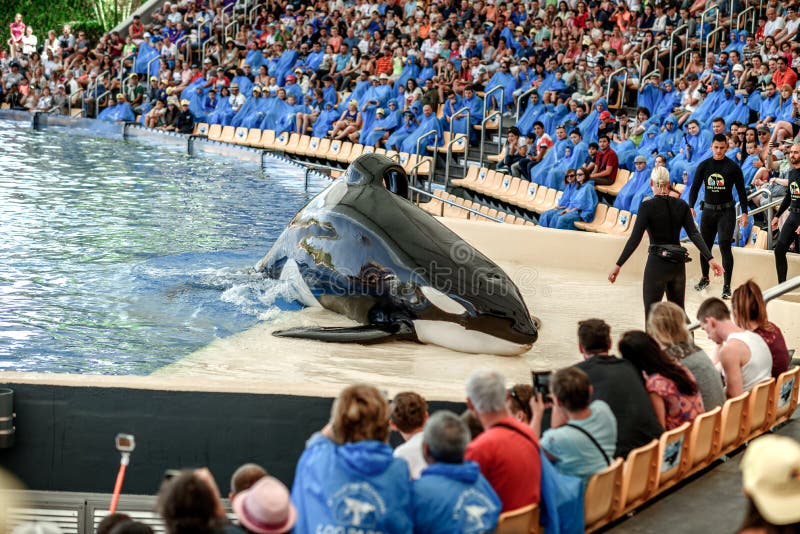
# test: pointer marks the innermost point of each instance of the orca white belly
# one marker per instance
(456, 337)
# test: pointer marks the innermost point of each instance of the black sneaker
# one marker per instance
(726, 293)
(702, 284)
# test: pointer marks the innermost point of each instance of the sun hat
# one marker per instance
(265, 508)
(771, 477)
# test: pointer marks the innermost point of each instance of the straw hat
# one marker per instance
(771, 477)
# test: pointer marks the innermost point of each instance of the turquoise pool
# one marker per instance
(117, 258)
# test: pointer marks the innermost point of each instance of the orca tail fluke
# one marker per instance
(348, 334)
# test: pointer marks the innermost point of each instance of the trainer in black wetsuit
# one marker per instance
(792, 225)
(663, 217)
(719, 174)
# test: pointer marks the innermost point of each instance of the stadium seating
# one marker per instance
(600, 498)
(622, 178)
(523, 520)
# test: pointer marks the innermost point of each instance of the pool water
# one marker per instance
(117, 258)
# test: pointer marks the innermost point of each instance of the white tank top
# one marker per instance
(759, 367)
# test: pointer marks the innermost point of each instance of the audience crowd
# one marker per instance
(386, 73)
(524, 445)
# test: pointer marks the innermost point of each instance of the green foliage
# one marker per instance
(43, 16)
(92, 16)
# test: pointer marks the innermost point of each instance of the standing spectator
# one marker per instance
(409, 413)
(585, 443)
(452, 495)
(744, 355)
(606, 163)
(347, 476)
(617, 382)
(17, 28)
(265, 508)
(673, 391)
(750, 313)
(667, 324)
(507, 451)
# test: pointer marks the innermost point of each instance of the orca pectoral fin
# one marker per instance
(352, 334)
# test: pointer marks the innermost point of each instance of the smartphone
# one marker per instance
(169, 474)
(541, 382)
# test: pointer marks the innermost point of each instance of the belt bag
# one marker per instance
(671, 253)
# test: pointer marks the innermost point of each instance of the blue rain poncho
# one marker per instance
(324, 122)
(275, 111)
(531, 114)
(355, 486)
(454, 498)
(118, 113)
(670, 139)
(475, 105)
(221, 113)
(426, 124)
(584, 201)
(257, 113)
(284, 65)
(700, 146)
(379, 128)
(397, 138)
(244, 83)
(146, 54)
(749, 170)
(591, 123)
(638, 183)
(549, 217)
(505, 80)
(576, 158)
(410, 70)
(249, 107)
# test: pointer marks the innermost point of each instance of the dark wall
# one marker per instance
(65, 435)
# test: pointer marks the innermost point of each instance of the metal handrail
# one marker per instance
(767, 206)
(148, 70)
(451, 203)
(453, 140)
(743, 13)
(483, 132)
(647, 76)
(231, 23)
(422, 160)
(768, 294)
(672, 42)
(624, 85)
(203, 49)
(495, 89)
(703, 18)
(125, 81)
(521, 98)
(100, 98)
(643, 54)
(678, 57)
(80, 93)
(711, 34)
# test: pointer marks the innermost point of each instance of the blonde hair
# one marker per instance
(360, 413)
(659, 177)
(667, 324)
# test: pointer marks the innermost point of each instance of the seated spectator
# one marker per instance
(409, 413)
(265, 508)
(750, 313)
(667, 324)
(606, 163)
(518, 402)
(673, 391)
(586, 442)
(190, 503)
(132, 527)
(507, 451)
(769, 480)
(244, 477)
(452, 495)
(110, 521)
(513, 151)
(617, 382)
(184, 122)
(347, 476)
(744, 355)
(472, 422)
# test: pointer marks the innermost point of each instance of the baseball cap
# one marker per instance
(771, 477)
(184, 102)
(606, 115)
(640, 159)
(738, 68)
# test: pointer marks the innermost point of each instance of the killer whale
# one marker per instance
(360, 248)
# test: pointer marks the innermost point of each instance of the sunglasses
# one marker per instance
(571, 175)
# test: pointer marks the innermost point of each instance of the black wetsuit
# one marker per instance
(789, 231)
(663, 217)
(719, 209)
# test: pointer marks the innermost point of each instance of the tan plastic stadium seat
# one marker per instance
(601, 498)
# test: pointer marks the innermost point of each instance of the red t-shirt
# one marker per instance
(773, 337)
(605, 159)
(510, 462)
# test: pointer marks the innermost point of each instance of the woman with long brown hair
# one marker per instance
(750, 312)
(667, 324)
(672, 388)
